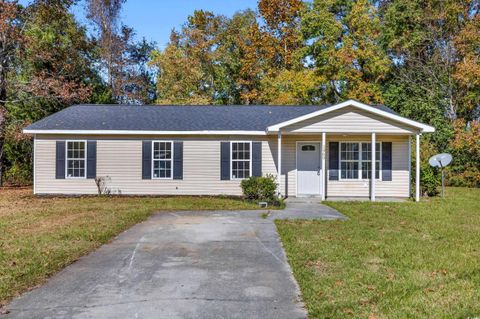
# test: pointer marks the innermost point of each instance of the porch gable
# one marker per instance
(349, 120)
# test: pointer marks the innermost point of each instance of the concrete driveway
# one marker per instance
(176, 265)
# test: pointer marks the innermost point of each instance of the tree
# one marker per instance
(290, 87)
(56, 64)
(187, 67)
(467, 69)
(132, 78)
(345, 49)
(178, 77)
(227, 60)
(232, 80)
(105, 16)
(53, 69)
(10, 40)
(255, 62)
(465, 148)
(282, 25)
(434, 45)
(272, 50)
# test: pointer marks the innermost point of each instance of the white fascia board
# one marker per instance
(423, 127)
(127, 132)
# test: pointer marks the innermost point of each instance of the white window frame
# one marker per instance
(242, 160)
(360, 161)
(67, 159)
(157, 159)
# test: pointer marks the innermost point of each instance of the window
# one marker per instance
(76, 158)
(162, 160)
(241, 160)
(355, 160)
(349, 156)
(367, 160)
(308, 148)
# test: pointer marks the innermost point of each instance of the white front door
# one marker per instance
(309, 172)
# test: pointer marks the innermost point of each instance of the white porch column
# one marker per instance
(373, 166)
(324, 142)
(409, 166)
(279, 167)
(417, 170)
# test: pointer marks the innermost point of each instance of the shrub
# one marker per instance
(431, 179)
(19, 174)
(463, 176)
(260, 188)
(17, 156)
(465, 148)
(102, 187)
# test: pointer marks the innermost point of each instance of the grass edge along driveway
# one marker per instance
(41, 235)
(390, 260)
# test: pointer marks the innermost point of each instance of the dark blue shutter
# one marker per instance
(147, 160)
(178, 160)
(257, 158)
(225, 161)
(60, 160)
(91, 159)
(386, 161)
(333, 161)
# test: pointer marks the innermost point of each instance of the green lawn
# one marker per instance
(390, 260)
(39, 236)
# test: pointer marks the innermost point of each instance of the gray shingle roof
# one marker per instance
(172, 118)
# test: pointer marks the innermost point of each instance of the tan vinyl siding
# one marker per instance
(120, 158)
(349, 120)
(121, 161)
(45, 182)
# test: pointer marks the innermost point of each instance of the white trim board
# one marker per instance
(139, 132)
(365, 107)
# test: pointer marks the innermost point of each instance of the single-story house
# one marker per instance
(322, 151)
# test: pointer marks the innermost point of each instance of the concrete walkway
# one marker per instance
(306, 208)
(179, 265)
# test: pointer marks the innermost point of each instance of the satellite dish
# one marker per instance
(441, 160)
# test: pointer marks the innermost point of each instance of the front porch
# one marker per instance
(348, 136)
(332, 165)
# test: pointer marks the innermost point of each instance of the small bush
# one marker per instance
(19, 174)
(260, 188)
(463, 176)
(430, 180)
